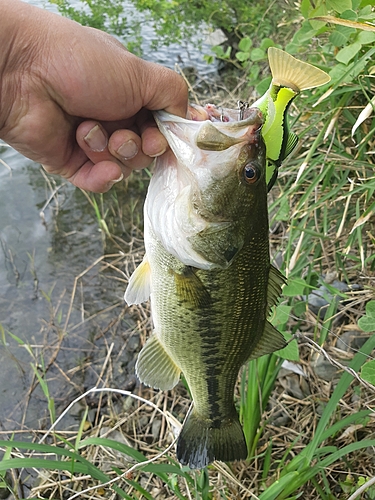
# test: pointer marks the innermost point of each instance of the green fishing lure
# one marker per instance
(290, 76)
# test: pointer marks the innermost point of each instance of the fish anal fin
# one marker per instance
(202, 441)
(275, 282)
(287, 71)
(139, 286)
(155, 367)
(190, 288)
(271, 340)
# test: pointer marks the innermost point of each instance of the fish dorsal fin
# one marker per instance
(139, 286)
(271, 340)
(291, 143)
(287, 71)
(209, 138)
(155, 367)
(190, 289)
(275, 282)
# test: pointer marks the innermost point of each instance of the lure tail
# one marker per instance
(287, 71)
(202, 441)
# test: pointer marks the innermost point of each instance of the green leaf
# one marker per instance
(339, 5)
(367, 324)
(368, 372)
(346, 54)
(295, 286)
(291, 351)
(209, 59)
(245, 44)
(305, 8)
(349, 15)
(281, 315)
(338, 39)
(267, 43)
(242, 56)
(366, 14)
(305, 33)
(257, 55)
(319, 11)
(365, 37)
(370, 308)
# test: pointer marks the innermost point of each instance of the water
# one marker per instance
(40, 257)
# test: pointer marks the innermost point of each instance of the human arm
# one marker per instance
(73, 97)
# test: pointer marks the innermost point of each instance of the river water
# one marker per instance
(44, 246)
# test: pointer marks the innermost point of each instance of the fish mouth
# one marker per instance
(243, 113)
(189, 139)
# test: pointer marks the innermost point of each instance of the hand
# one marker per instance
(74, 99)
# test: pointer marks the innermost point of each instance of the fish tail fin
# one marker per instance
(287, 71)
(201, 441)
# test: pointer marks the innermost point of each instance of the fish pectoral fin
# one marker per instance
(275, 281)
(209, 138)
(190, 288)
(155, 367)
(271, 340)
(139, 286)
(219, 243)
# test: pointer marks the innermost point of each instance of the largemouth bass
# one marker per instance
(207, 270)
(290, 76)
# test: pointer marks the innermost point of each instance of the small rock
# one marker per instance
(280, 419)
(133, 342)
(352, 339)
(292, 385)
(130, 383)
(156, 425)
(324, 369)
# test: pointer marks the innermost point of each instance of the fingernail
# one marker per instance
(128, 150)
(158, 154)
(111, 183)
(96, 139)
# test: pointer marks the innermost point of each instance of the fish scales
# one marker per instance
(207, 270)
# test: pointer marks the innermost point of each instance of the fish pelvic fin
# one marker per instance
(287, 71)
(155, 367)
(201, 441)
(139, 286)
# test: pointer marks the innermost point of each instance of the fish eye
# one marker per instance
(251, 173)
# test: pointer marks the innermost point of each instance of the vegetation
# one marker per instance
(310, 434)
